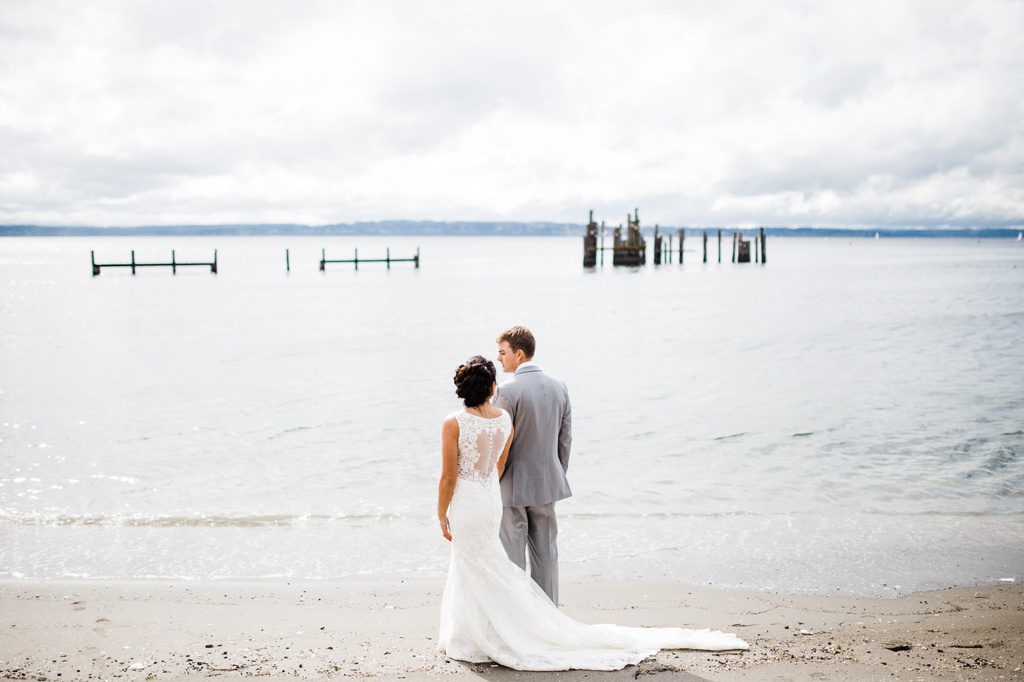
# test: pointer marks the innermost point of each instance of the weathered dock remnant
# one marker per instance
(628, 250)
(357, 260)
(173, 265)
(633, 249)
(741, 248)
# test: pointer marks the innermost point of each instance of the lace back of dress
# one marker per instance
(487, 457)
(480, 444)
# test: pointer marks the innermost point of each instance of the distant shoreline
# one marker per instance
(474, 229)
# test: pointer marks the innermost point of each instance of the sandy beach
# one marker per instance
(165, 631)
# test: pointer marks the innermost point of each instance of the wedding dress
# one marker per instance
(493, 611)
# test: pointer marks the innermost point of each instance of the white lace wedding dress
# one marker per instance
(493, 611)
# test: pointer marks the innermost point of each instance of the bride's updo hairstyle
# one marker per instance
(474, 379)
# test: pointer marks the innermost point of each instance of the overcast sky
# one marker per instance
(730, 113)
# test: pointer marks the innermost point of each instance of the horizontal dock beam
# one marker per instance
(357, 260)
(173, 265)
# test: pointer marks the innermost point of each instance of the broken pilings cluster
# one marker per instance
(631, 249)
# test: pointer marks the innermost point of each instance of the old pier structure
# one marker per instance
(632, 249)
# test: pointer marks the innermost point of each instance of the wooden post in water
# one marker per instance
(764, 256)
(590, 243)
(733, 247)
(287, 261)
(705, 246)
(174, 263)
(133, 261)
(356, 261)
(387, 257)
(742, 249)
(719, 246)
(416, 261)
(95, 269)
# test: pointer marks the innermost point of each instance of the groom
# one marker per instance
(534, 477)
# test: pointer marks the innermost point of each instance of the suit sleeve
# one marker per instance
(565, 434)
(503, 399)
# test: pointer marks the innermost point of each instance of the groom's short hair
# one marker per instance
(519, 338)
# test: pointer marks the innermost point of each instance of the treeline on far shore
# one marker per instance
(426, 228)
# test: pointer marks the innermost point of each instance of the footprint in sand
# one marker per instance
(78, 606)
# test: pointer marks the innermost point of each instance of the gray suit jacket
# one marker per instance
(539, 456)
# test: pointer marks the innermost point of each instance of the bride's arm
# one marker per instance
(504, 453)
(449, 471)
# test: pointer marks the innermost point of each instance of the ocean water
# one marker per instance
(848, 417)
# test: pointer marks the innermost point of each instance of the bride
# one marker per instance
(491, 609)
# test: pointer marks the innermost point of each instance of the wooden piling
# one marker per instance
(705, 246)
(590, 243)
(719, 246)
(682, 234)
(742, 249)
(764, 243)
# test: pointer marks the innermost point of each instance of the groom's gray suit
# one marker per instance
(534, 477)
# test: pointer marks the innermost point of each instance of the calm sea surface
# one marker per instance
(848, 417)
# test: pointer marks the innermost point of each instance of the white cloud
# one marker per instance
(739, 112)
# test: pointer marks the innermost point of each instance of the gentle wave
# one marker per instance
(585, 516)
(289, 520)
(283, 520)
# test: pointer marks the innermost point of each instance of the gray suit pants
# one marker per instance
(534, 529)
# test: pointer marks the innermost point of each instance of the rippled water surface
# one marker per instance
(848, 417)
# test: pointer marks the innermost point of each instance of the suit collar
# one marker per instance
(527, 367)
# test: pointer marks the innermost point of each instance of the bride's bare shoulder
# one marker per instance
(451, 422)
